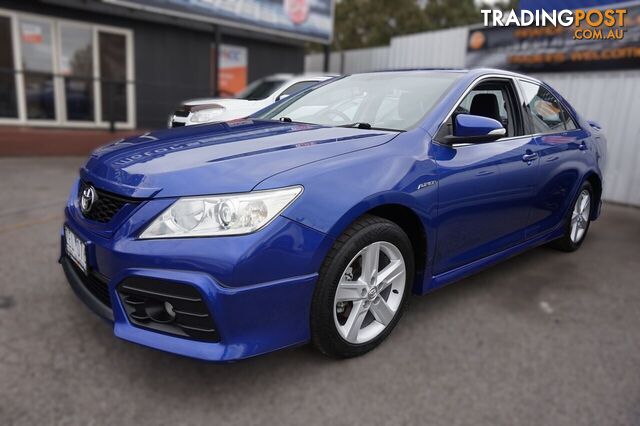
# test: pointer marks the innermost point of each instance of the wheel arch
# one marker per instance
(411, 224)
(400, 209)
(596, 184)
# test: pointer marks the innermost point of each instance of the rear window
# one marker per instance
(546, 112)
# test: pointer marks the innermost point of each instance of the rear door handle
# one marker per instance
(529, 157)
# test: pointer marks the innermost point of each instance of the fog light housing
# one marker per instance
(168, 307)
(159, 311)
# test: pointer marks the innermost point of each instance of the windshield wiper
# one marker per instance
(368, 126)
(359, 125)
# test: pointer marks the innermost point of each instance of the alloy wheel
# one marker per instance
(370, 292)
(580, 216)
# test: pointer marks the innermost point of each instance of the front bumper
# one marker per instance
(257, 288)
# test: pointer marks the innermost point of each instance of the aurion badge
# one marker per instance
(87, 199)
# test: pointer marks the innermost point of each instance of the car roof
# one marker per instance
(475, 72)
(300, 77)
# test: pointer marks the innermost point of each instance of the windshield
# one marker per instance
(260, 89)
(386, 100)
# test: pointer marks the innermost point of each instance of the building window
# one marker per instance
(36, 48)
(114, 76)
(8, 101)
(61, 72)
(76, 67)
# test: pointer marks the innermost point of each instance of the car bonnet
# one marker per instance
(217, 158)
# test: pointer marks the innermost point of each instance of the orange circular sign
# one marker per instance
(477, 40)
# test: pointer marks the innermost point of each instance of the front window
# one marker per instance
(260, 89)
(388, 100)
(494, 99)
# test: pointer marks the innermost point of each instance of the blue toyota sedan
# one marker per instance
(314, 220)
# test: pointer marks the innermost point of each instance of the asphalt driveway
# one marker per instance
(546, 338)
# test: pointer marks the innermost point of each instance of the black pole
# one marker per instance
(216, 62)
(112, 118)
(327, 55)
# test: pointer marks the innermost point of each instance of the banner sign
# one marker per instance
(563, 4)
(303, 19)
(558, 48)
(232, 78)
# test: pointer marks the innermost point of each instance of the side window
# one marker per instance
(500, 114)
(492, 99)
(297, 87)
(546, 113)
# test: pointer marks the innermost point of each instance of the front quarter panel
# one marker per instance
(341, 189)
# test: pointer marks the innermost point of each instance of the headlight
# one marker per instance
(206, 115)
(211, 216)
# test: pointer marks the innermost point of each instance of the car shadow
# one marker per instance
(513, 285)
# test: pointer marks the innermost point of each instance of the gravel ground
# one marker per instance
(544, 338)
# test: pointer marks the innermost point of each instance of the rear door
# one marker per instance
(561, 148)
(485, 190)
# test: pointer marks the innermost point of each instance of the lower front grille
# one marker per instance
(96, 283)
(171, 308)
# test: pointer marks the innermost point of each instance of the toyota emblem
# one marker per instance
(87, 199)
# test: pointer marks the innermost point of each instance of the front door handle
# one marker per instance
(529, 157)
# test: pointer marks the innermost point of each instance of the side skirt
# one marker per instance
(464, 271)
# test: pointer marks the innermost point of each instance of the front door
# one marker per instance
(485, 191)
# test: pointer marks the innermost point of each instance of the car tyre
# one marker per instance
(389, 281)
(577, 221)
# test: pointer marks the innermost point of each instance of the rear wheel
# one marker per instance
(363, 288)
(577, 222)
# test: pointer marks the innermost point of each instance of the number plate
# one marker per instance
(76, 249)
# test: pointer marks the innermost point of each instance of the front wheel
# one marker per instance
(363, 288)
(578, 222)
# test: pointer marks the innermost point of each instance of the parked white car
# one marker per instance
(259, 94)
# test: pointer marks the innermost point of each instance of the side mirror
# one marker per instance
(475, 129)
(283, 96)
